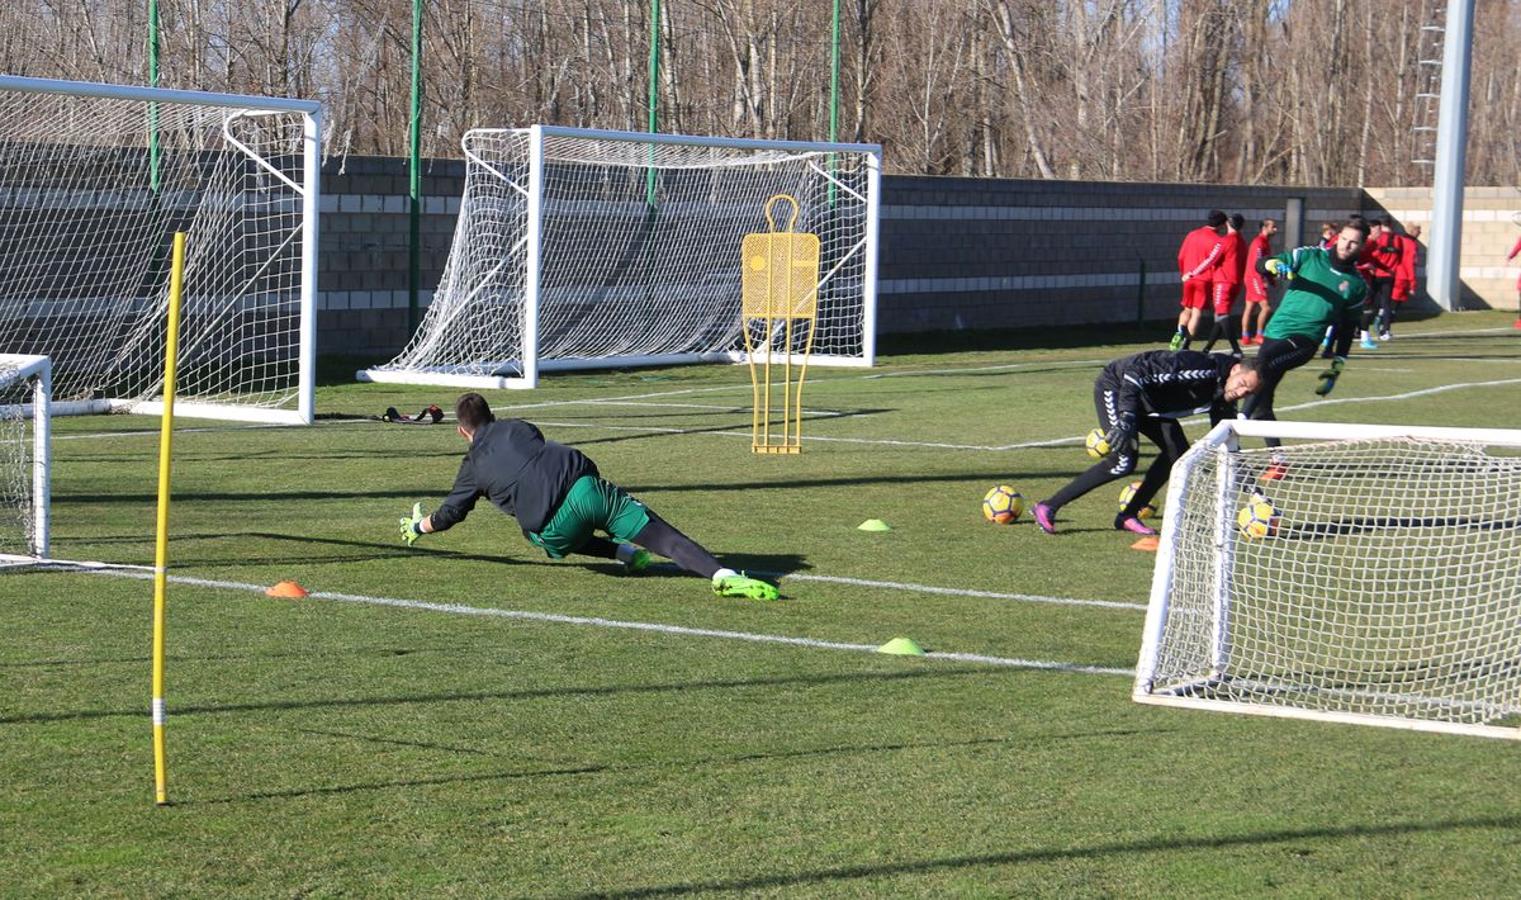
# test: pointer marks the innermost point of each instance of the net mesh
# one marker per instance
(1389, 584)
(87, 211)
(18, 502)
(640, 251)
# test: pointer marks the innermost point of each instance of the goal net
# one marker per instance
(1360, 573)
(25, 392)
(94, 181)
(601, 249)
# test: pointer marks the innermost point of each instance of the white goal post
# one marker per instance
(1361, 573)
(94, 181)
(582, 249)
(25, 459)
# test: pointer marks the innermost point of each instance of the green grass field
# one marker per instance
(349, 744)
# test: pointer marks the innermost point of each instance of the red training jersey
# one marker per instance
(1380, 257)
(1409, 249)
(1200, 253)
(1257, 283)
(1232, 259)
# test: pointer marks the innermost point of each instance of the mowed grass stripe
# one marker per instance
(137, 572)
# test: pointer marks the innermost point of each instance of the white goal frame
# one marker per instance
(1192, 690)
(533, 360)
(16, 367)
(299, 407)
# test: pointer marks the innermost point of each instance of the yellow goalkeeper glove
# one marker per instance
(1278, 269)
(411, 526)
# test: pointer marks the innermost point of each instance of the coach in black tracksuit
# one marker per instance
(1145, 394)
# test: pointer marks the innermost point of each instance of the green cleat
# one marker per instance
(638, 562)
(1177, 342)
(742, 585)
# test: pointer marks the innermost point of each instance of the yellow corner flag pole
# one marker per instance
(161, 543)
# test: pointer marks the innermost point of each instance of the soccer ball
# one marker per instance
(1127, 492)
(1098, 448)
(1002, 504)
(1258, 518)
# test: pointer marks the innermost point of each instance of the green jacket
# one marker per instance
(1319, 295)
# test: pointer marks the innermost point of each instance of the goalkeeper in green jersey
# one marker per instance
(1323, 289)
(560, 501)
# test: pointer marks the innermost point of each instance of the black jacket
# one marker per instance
(511, 464)
(1171, 384)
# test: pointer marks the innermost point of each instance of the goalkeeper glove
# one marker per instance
(411, 526)
(1278, 269)
(1329, 376)
(1121, 438)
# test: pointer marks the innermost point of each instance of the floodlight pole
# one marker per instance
(1446, 239)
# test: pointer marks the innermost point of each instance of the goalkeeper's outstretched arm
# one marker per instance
(451, 512)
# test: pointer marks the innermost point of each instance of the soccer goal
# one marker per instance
(1361, 573)
(94, 180)
(25, 395)
(579, 249)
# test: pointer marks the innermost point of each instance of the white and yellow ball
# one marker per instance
(1002, 504)
(1258, 518)
(1127, 493)
(1098, 448)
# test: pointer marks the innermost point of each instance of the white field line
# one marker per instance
(1424, 392)
(137, 572)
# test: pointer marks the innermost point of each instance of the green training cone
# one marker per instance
(901, 647)
(874, 525)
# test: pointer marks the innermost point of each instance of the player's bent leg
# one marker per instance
(660, 537)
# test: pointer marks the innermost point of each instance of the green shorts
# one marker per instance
(590, 505)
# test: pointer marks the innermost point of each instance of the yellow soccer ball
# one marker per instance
(1002, 504)
(1127, 492)
(1258, 518)
(1098, 448)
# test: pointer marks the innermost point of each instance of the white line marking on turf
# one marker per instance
(1424, 392)
(966, 592)
(598, 622)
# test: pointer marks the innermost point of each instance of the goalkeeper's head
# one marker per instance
(471, 411)
(1244, 378)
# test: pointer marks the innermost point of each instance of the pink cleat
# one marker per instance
(1133, 525)
(1043, 518)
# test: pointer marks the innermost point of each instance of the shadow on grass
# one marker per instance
(780, 564)
(664, 765)
(782, 482)
(1095, 852)
(533, 694)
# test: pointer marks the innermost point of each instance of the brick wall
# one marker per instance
(956, 253)
(1490, 230)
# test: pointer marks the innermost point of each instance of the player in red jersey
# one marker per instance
(1379, 262)
(1508, 257)
(1404, 275)
(1257, 285)
(1226, 286)
(1198, 258)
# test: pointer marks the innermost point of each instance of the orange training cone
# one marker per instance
(287, 589)
(1148, 544)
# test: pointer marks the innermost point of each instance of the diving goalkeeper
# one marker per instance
(560, 500)
(1145, 394)
(1324, 289)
